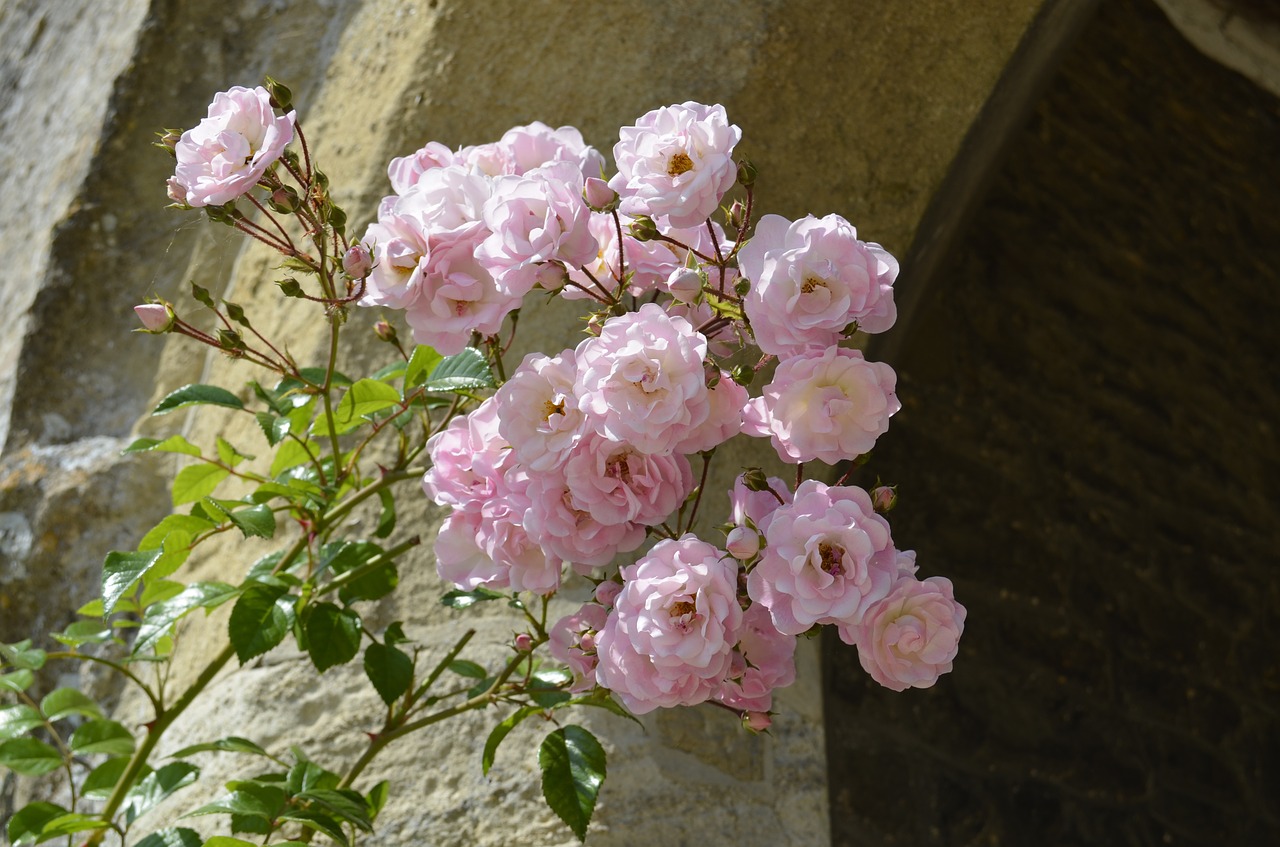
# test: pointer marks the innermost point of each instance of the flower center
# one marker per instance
(831, 557)
(679, 163)
(549, 409)
(683, 612)
(617, 467)
(812, 282)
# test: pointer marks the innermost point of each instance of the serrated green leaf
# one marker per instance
(17, 681)
(158, 785)
(228, 454)
(333, 635)
(251, 800)
(387, 517)
(190, 395)
(102, 780)
(422, 362)
(290, 455)
(573, 767)
(172, 444)
(64, 702)
(102, 736)
(345, 805)
(178, 836)
(22, 655)
(465, 371)
(255, 521)
(306, 775)
(464, 599)
(196, 481)
(319, 822)
(18, 720)
(259, 621)
(386, 373)
(230, 744)
(28, 822)
(363, 398)
(462, 667)
(29, 756)
(376, 799)
(69, 824)
(120, 571)
(92, 609)
(83, 632)
(275, 429)
(187, 524)
(158, 590)
(389, 669)
(161, 616)
(500, 732)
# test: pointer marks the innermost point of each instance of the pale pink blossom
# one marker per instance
(676, 162)
(468, 460)
(405, 171)
(642, 380)
(742, 542)
(910, 638)
(763, 660)
(398, 244)
(538, 413)
(572, 534)
(726, 399)
(457, 297)
(573, 642)
(502, 536)
(828, 558)
(228, 152)
(810, 280)
(828, 407)
(616, 483)
(755, 508)
(460, 560)
(535, 145)
(669, 639)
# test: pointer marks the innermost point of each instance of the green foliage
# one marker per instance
(196, 481)
(64, 702)
(172, 837)
(158, 785)
(333, 635)
(102, 780)
(29, 756)
(422, 362)
(160, 618)
(260, 619)
(230, 744)
(389, 669)
(191, 395)
(23, 656)
(573, 767)
(18, 720)
(465, 371)
(121, 572)
(501, 731)
(102, 736)
(364, 398)
(465, 599)
(172, 444)
(36, 823)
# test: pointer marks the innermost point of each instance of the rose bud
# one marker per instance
(685, 284)
(757, 721)
(742, 543)
(884, 497)
(598, 195)
(357, 262)
(155, 317)
(523, 642)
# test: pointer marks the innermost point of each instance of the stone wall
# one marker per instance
(857, 109)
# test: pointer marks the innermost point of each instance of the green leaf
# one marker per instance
(363, 398)
(191, 395)
(319, 822)
(500, 732)
(102, 736)
(333, 635)
(464, 599)
(121, 571)
(64, 702)
(389, 669)
(465, 371)
(196, 481)
(290, 455)
(260, 619)
(160, 617)
(468, 669)
(158, 785)
(376, 799)
(172, 444)
(253, 800)
(17, 681)
(573, 767)
(306, 775)
(29, 756)
(83, 632)
(228, 454)
(421, 363)
(101, 782)
(70, 824)
(346, 805)
(274, 428)
(187, 524)
(92, 609)
(29, 821)
(231, 744)
(172, 837)
(18, 720)
(228, 841)
(22, 655)
(387, 518)
(158, 590)
(257, 521)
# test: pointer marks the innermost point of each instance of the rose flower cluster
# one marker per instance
(590, 453)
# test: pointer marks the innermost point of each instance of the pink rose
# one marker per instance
(669, 639)
(642, 381)
(763, 660)
(828, 407)
(676, 162)
(570, 533)
(829, 557)
(538, 412)
(229, 151)
(528, 147)
(616, 483)
(573, 642)
(405, 171)
(909, 639)
(457, 297)
(812, 278)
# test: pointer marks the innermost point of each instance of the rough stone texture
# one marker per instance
(854, 109)
(1089, 449)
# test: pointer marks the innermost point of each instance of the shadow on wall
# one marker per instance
(1088, 447)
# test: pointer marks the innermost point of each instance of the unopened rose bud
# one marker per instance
(551, 276)
(385, 332)
(598, 195)
(884, 497)
(755, 480)
(742, 543)
(229, 339)
(155, 317)
(281, 96)
(685, 284)
(284, 200)
(176, 192)
(201, 295)
(737, 215)
(587, 641)
(643, 228)
(742, 287)
(743, 374)
(168, 140)
(757, 721)
(357, 262)
(607, 592)
(747, 173)
(290, 287)
(235, 312)
(524, 642)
